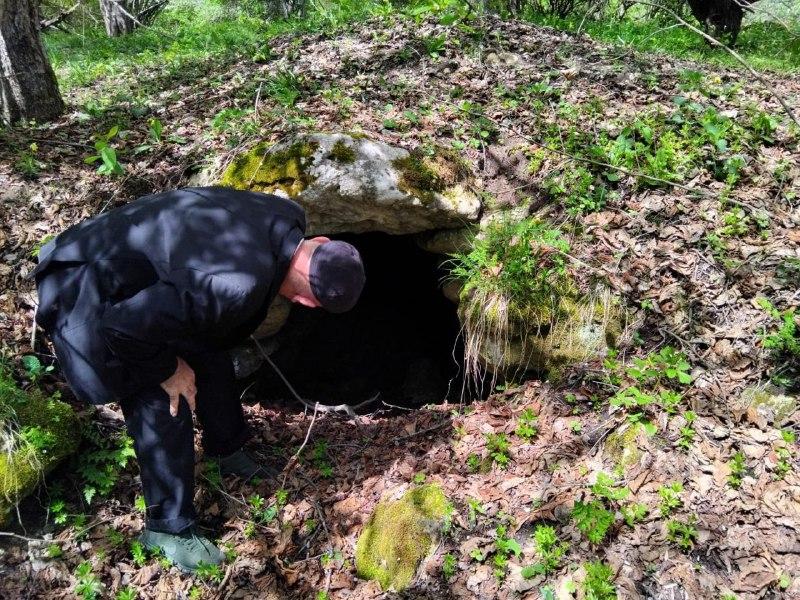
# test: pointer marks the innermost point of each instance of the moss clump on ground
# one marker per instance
(399, 535)
(342, 153)
(423, 176)
(36, 432)
(265, 170)
(621, 446)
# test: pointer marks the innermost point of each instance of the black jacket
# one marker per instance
(121, 294)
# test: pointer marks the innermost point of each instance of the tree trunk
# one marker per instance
(118, 17)
(28, 86)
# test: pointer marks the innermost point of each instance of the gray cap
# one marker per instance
(336, 275)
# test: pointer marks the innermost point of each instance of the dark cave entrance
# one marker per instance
(402, 339)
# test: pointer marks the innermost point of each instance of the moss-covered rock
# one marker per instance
(354, 184)
(621, 445)
(768, 405)
(399, 535)
(266, 169)
(424, 175)
(551, 337)
(36, 433)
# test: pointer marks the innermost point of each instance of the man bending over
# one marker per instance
(141, 304)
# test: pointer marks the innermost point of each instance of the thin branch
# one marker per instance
(57, 20)
(296, 455)
(349, 410)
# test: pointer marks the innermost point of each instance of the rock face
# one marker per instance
(48, 427)
(768, 405)
(399, 535)
(353, 184)
(583, 329)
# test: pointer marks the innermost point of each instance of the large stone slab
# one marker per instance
(354, 184)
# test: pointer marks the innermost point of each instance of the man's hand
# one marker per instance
(180, 384)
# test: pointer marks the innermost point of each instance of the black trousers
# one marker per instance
(165, 444)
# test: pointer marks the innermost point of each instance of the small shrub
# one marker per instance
(549, 550)
(598, 584)
(526, 425)
(88, 586)
(670, 499)
(593, 520)
(498, 446)
(737, 470)
(683, 534)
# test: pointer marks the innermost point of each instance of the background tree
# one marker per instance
(28, 86)
(123, 16)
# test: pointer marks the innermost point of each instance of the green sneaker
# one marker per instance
(185, 549)
(243, 465)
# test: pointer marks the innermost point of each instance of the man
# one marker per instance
(141, 304)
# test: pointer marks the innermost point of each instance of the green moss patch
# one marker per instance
(621, 446)
(265, 170)
(422, 175)
(36, 433)
(399, 535)
(342, 153)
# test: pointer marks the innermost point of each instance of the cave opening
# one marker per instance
(402, 339)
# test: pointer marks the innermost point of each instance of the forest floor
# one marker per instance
(689, 261)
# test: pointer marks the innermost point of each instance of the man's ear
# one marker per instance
(305, 301)
(321, 239)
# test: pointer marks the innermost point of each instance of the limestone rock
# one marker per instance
(353, 184)
(768, 405)
(276, 317)
(24, 460)
(449, 241)
(586, 329)
(399, 535)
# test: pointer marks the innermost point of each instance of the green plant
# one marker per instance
(88, 586)
(474, 463)
(683, 534)
(106, 154)
(434, 44)
(504, 548)
(606, 488)
(667, 362)
(687, 432)
(736, 222)
(670, 499)
(34, 368)
(498, 446)
(418, 478)
(319, 456)
(549, 550)
(210, 572)
(598, 583)
(195, 593)
(284, 87)
(263, 512)
(727, 596)
(514, 276)
(669, 400)
(103, 461)
(139, 553)
(58, 511)
(28, 164)
(785, 340)
(631, 397)
(526, 425)
(54, 551)
(784, 453)
(634, 513)
(126, 593)
(737, 470)
(474, 508)
(593, 520)
(449, 564)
